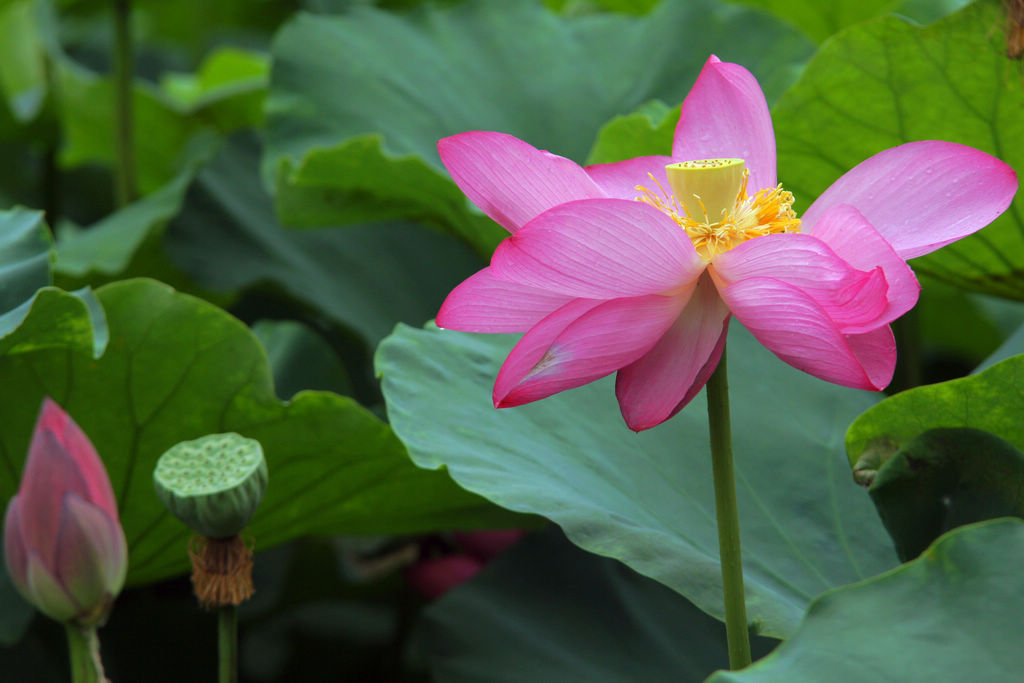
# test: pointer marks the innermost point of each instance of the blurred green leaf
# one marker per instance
(357, 102)
(887, 82)
(942, 479)
(228, 90)
(646, 131)
(177, 368)
(86, 112)
(22, 60)
(951, 615)
(547, 611)
(647, 498)
(301, 359)
(820, 20)
(225, 95)
(108, 247)
(365, 278)
(25, 255)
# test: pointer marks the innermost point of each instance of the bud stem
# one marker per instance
(227, 644)
(719, 426)
(84, 653)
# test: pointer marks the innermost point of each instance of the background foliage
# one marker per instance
(294, 232)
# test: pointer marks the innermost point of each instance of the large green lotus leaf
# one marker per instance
(951, 615)
(365, 278)
(990, 401)
(887, 82)
(647, 498)
(357, 102)
(547, 611)
(177, 368)
(25, 253)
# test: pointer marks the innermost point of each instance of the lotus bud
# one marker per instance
(64, 545)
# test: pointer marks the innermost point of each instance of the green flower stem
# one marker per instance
(124, 76)
(728, 517)
(227, 643)
(84, 653)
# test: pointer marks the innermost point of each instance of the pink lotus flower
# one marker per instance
(65, 549)
(601, 282)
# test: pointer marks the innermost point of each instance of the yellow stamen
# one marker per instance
(709, 201)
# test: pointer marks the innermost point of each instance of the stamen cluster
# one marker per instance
(768, 212)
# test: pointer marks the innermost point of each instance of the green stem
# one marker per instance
(227, 643)
(124, 76)
(84, 653)
(728, 517)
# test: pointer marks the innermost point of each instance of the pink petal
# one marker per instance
(666, 378)
(483, 303)
(852, 298)
(581, 342)
(74, 441)
(620, 179)
(599, 249)
(725, 115)
(856, 241)
(876, 352)
(50, 473)
(92, 555)
(510, 180)
(799, 331)
(922, 195)
(436, 576)
(15, 550)
(486, 545)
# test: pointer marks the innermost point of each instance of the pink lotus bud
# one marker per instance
(436, 576)
(65, 549)
(486, 545)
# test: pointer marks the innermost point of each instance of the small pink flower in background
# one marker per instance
(435, 576)
(432, 577)
(601, 283)
(65, 549)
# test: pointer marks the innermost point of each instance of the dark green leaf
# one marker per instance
(300, 359)
(943, 479)
(547, 611)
